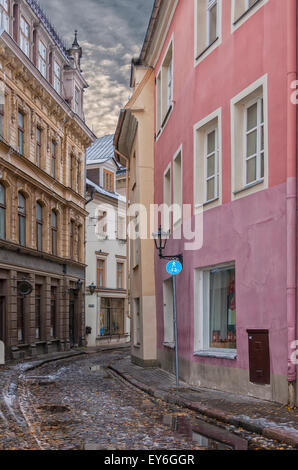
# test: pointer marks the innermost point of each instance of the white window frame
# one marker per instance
(42, 59)
(256, 90)
(167, 225)
(210, 5)
(249, 11)
(177, 218)
(162, 77)
(4, 15)
(24, 39)
(215, 176)
(202, 314)
(259, 151)
(199, 55)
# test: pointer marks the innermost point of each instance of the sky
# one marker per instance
(110, 33)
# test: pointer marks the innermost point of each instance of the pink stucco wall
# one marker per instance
(252, 230)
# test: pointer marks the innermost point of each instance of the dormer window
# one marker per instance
(42, 59)
(4, 18)
(24, 36)
(108, 180)
(57, 77)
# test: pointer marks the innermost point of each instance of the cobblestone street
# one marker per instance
(78, 403)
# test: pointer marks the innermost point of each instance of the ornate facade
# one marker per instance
(42, 185)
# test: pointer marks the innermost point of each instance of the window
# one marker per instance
(22, 219)
(2, 212)
(207, 27)
(24, 36)
(120, 276)
(21, 319)
(168, 311)
(21, 132)
(102, 222)
(53, 167)
(111, 321)
(1, 120)
(243, 9)
(121, 229)
(53, 312)
(79, 242)
(72, 229)
(54, 230)
(249, 139)
(100, 273)
(38, 289)
(164, 89)
(254, 141)
(108, 180)
(177, 188)
(4, 16)
(39, 224)
(207, 161)
(212, 7)
(137, 322)
(57, 77)
(77, 101)
(217, 326)
(42, 59)
(38, 147)
(211, 166)
(72, 167)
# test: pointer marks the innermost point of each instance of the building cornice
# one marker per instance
(13, 55)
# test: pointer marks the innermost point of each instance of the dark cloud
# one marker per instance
(111, 32)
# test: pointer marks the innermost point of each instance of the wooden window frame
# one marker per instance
(260, 151)
(121, 273)
(108, 185)
(101, 270)
(207, 156)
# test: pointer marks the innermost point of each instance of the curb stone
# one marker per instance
(277, 433)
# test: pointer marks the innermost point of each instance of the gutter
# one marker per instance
(291, 195)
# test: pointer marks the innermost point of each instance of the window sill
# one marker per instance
(220, 354)
(246, 12)
(137, 346)
(207, 48)
(169, 345)
(248, 186)
(205, 204)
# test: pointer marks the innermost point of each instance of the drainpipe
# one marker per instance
(127, 241)
(291, 198)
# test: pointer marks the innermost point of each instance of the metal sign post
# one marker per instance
(174, 268)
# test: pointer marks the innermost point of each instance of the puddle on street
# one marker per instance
(204, 434)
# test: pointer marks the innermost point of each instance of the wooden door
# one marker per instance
(259, 356)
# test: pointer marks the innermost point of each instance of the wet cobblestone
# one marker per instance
(78, 403)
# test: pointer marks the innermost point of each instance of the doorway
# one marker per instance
(2, 320)
(72, 323)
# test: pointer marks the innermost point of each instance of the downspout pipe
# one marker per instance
(291, 193)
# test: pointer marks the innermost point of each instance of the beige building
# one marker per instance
(42, 185)
(134, 147)
(106, 317)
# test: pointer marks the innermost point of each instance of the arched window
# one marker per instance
(38, 226)
(54, 232)
(22, 219)
(2, 211)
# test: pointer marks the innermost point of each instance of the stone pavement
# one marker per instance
(269, 419)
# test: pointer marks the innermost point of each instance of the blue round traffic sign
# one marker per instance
(174, 267)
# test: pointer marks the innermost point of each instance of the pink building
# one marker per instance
(226, 144)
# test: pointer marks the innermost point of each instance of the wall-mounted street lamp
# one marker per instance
(92, 288)
(173, 268)
(160, 240)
